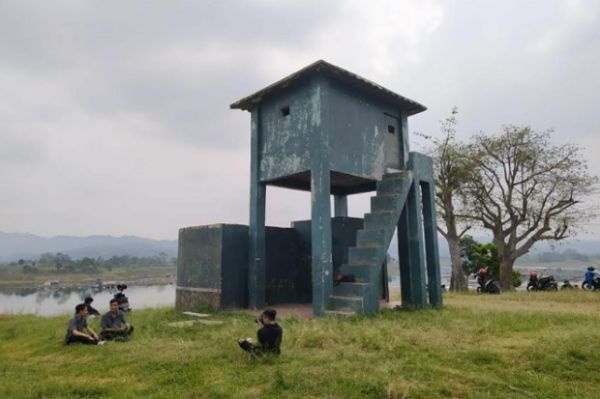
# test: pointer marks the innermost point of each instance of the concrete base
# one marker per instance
(192, 298)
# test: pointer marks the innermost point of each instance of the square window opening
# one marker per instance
(285, 111)
(391, 129)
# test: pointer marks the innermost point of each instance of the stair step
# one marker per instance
(390, 186)
(361, 272)
(340, 313)
(400, 175)
(350, 302)
(388, 202)
(369, 238)
(351, 289)
(378, 220)
(368, 254)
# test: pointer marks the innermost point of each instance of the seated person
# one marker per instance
(269, 335)
(78, 330)
(113, 323)
(91, 310)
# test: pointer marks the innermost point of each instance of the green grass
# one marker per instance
(517, 345)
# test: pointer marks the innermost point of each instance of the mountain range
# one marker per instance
(14, 246)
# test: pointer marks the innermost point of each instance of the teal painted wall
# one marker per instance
(359, 139)
(359, 135)
(285, 142)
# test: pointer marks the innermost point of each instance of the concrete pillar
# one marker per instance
(415, 234)
(256, 243)
(404, 260)
(431, 245)
(340, 205)
(322, 265)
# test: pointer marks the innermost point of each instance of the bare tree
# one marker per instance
(524, 190)
(452, 165)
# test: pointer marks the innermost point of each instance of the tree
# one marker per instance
(452, 167)
(524, 190)
(476, 255)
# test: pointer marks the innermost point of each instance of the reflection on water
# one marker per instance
(47, 302)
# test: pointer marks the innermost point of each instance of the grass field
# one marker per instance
(517, 345)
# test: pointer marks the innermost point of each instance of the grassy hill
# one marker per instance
(517, 345)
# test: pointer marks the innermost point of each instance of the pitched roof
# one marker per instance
(347, 78)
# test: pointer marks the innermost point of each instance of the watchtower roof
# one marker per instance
(347, 78)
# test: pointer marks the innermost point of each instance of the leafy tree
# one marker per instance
(452, 165)
(524, 190)
(475, 256)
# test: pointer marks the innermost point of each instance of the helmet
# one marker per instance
(591, 268)
(482, 271)
(532, 274)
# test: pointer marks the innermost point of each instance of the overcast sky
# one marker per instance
(115, 119)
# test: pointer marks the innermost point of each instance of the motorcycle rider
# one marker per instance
(589, 276)
(482, 277)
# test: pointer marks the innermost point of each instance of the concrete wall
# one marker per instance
(212, 267)
(343, 236)
(213, 262)
(284, 142)
(359, 133)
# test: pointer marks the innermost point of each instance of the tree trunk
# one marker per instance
(506, 272)
(458, 280)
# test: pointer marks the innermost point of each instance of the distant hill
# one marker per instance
(14, 246)
(585, 247)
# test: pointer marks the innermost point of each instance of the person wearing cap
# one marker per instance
(589, 276)
(91, 310)
(269, 335)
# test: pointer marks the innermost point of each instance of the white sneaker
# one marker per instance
(101, 342)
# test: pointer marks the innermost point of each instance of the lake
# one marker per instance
(49, 302)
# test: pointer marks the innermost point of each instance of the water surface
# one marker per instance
(49, 302)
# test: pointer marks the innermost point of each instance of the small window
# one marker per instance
(285, 111)
(391, 129)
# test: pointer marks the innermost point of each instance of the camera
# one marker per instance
(260, 319)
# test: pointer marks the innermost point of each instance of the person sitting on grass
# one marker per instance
(269, 335)
(113, 324)
(79, 331)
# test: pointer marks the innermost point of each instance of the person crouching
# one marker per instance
(269, 335)
(114, 325)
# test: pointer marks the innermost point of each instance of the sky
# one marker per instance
(115, 119)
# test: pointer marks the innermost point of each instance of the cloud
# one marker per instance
(114, 116)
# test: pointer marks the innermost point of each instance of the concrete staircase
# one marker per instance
(366, 259)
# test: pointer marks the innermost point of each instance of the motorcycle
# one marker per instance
(591, 285)
(488, 286)
(122, 299)
(567, 285)
(541, 284)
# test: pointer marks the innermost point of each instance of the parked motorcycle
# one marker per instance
(591, 285)
(122, 299)
(567, 285)
(541, 284)
(486, 284)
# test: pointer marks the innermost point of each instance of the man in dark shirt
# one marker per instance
(269, 335)
(113, 324)
(78, 330)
